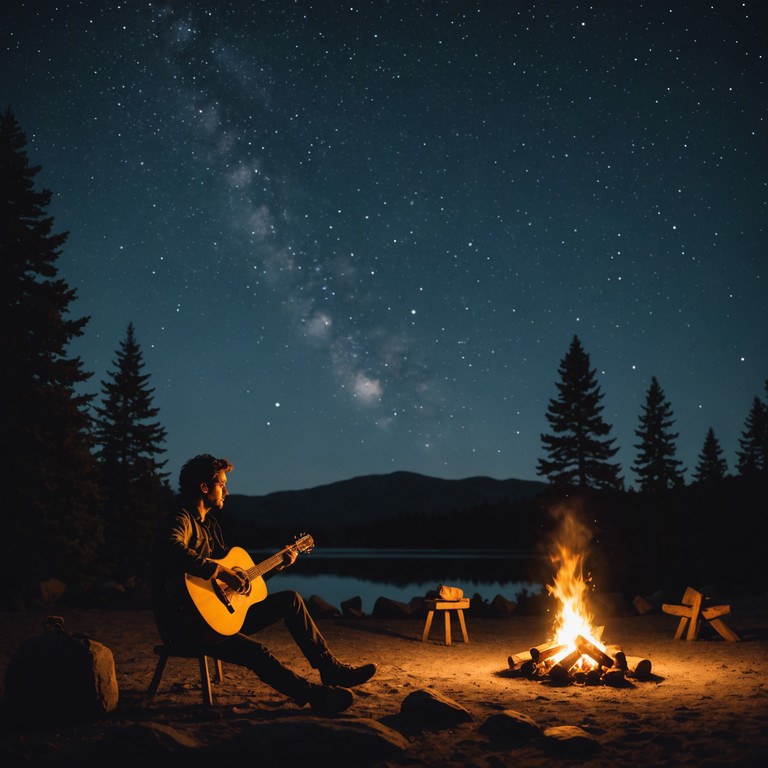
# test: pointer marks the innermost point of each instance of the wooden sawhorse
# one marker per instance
(693, 609)
(446, 606)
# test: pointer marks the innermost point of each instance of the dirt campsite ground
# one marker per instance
(706, 703)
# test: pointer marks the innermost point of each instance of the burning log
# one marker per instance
(589, 649)
(522, 664)
(540, 653)
(560, 673)
(612, 667)
(516, 659)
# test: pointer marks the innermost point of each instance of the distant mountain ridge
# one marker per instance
(378, 497)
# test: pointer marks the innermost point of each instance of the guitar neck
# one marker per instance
(267, 565)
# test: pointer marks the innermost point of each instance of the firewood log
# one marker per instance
(614, 678)
(560, 672)
(546, 651)
(638, 667)
(516, 659)
(620, 660)
(591, 650)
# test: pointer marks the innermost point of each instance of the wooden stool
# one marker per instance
(694, 608)
(446, 606)
(166, 651)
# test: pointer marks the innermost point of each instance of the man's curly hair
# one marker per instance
(201, 469)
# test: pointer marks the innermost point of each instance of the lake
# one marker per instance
(336, 574)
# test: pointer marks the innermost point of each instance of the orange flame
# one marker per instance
(570, 589)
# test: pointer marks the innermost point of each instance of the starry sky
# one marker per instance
(359, 237)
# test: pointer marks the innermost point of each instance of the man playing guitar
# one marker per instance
(212, 599)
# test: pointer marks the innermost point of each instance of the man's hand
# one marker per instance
(289, 558)
(233, 579)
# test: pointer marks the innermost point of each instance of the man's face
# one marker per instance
(215, 492)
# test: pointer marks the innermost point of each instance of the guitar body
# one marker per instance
(209, 609)
(208, 600)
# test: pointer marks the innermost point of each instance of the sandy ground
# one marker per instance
(706, 704)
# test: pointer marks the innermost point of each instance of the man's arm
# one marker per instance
(233, 579)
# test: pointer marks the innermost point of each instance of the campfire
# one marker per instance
(576, 654)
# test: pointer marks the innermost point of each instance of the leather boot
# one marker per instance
(335, 672)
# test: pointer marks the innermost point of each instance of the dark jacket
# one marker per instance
(183, 544)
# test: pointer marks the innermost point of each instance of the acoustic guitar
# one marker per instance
(210, 608)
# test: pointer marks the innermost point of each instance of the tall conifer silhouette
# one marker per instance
(577, 454)
(48, 511)
(753, 444)
(129, 443)
(712, 466)
(656, 465)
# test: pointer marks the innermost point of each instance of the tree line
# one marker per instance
(85, 473)
(579, 449)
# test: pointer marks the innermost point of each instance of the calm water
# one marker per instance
(401, 574)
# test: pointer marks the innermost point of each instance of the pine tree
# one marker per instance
(712, 465)
(577, 455)
(656, 465)
(129, 443)
(48, 512)
(752, 456)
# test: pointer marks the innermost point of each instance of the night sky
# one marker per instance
(359, 237)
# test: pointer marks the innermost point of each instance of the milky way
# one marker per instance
(359, 238)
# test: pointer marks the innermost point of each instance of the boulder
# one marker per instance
(385, 608)
(502, 606)
(320, 609)
(570, 741)
(60, 676)
(321, 741)
(430, 709)
(352, 608)
(510, 726)
(144, 744)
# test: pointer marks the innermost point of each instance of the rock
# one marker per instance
(427, 708)
(143, 744)
(502, 606)
(642, 606)
(321, 609)
(480, 607)
(417, 607)
(59, 676)
(385, 608)
(322, 741)
(570, 740)
(353, 608)
(51, 590)
(509, 726)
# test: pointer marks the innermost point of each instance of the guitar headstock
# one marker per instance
(304, 542)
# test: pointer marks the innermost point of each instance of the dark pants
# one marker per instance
(245, 651)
